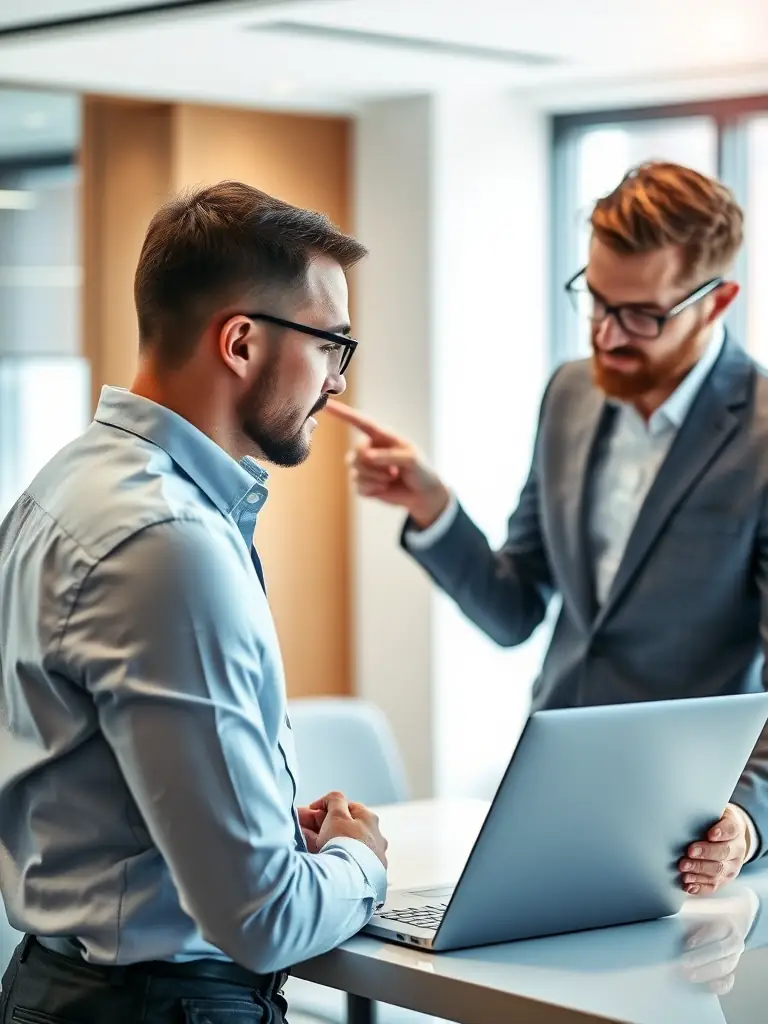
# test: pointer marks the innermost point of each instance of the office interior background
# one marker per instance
(463, 143)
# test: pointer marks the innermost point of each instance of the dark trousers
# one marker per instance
(43, 987)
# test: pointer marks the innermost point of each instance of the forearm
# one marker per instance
(505, 594)
(752, 837)
(214, 812)
(317, 902)
(752, 791)
(751, 795)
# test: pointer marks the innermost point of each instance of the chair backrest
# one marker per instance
(346, 744)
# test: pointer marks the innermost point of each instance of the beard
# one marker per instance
(278, 433)
(645, 374)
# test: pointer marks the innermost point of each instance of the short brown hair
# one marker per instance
(661, 204)
(207, 247)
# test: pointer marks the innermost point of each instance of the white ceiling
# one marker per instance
(566, 53)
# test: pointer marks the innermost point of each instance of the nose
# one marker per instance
(608, 335)
(336, 385)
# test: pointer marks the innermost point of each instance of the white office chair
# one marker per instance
(346, 744)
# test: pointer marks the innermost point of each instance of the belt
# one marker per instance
(203, 969)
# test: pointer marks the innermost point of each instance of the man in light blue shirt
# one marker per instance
(646, 506)
(149, 843)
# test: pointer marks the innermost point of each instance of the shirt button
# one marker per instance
(252, 498)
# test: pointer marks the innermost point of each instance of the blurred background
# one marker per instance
(463, 143)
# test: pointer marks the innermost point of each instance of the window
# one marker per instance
(39, 259)
(44, 404)
(605, 154)
(44, 383)
(592, 160)
(756, 232)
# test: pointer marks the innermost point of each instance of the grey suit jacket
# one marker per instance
(687, 614)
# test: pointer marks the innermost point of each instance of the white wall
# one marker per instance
(393, 382)
(452, 198)
(490, 366)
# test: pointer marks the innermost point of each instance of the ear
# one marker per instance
(239, 343)
(723, 297)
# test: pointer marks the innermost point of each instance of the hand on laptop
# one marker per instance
(334, 817)
(711, 863)
(389, 468)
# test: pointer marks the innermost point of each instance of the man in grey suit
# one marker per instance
(645, 506)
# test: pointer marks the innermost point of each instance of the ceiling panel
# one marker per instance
(339, 54)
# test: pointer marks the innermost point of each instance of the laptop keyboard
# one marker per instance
(428, 917)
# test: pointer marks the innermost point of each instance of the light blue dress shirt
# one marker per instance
(146, 762)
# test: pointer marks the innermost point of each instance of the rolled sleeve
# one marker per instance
(176, 646)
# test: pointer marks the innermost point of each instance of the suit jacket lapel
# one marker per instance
(710, 424)
(576, 568)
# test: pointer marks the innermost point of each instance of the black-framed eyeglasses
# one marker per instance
(633, 320)
(345, 346)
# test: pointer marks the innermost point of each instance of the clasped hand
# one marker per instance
(335, 817)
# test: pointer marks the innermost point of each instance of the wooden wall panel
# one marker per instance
(304, 531)
(126, 175)
(134, 155)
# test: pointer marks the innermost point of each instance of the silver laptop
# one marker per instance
(594, 810)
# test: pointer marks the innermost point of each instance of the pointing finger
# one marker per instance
(356, 419)
(399, 458)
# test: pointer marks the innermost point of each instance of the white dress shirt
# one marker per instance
(630, 458)
(627, 466)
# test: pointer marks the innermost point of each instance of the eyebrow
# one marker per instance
(649, 306)
(340, 329)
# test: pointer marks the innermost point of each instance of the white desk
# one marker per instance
(632, 975)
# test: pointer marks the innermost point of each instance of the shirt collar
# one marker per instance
(671, 413)
(232, 486)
